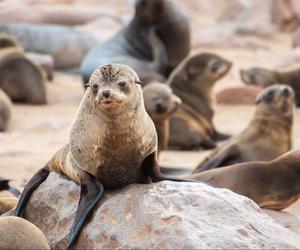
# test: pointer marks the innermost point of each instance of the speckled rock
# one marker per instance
(158, 216)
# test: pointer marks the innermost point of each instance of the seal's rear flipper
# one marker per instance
(4, 185)
(32, 185)
(91, 192)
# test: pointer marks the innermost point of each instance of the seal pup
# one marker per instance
(5, 111)
(7, 203)
(17, 233)
(21, 79)
(112, 143)
(268, 135)
(273, 184)
(160, 104)
(193, 81)
(131, 44)
(266, 77)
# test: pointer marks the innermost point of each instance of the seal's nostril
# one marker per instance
(106, 93)
(286, 92)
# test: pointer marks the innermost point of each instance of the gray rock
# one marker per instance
(165, 215)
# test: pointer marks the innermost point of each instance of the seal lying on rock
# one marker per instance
(160, 104)
(5, 110)
(17, 233)
(67, 45)
(266, 77)
(268, 136)
(193, 80)
(132, 46)
(21, 79)
(273, 184)
(112, 143)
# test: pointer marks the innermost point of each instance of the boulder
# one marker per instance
(165, 215)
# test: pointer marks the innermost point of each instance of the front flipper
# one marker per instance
(221, 158)
(4, 185)
(150, 165)
(32, 185)
(91, 192)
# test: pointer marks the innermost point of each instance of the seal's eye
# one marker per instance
(95, 87)
(122, 84)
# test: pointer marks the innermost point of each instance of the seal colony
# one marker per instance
(112, 143)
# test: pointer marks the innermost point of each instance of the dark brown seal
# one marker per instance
(273, 184)
(160, 104)
(268, 135)
(193, 81)
(21, 79)
(266, 77)
(112, 143)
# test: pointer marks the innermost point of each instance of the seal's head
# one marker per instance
(160, 101)
(278, 99)
(258, 76)
(115, 89)
(149, 10)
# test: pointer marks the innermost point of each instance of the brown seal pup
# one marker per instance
(131, 44)
(21, 79)
(160, 104)
(273, 184)
(193, 80)
(17, 233)
(266, 77)
(5, 111)
(7, 203)
(112, 143)
(268, 135)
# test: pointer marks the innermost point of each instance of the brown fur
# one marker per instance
(5, 111)
(193, 81)
(7, 41)
(268, 135)
(17, 233)
(274, 184)
(7, 203)
(21, 79)
(160, 104)
(265, 77)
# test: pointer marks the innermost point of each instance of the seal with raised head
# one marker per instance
(193, 81)
(268, 135)
(112, 143)
(5, 110)
(151, 55)
(160, 103)
(266, 77)
(21, 79)
(17, 233)
(272, 184)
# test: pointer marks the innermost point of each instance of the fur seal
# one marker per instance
(273, 184)
(112, 143)
(66, 45)
(266, 77)
(268, 135)
(160, 104)
(17, 233)
(7, 203)
(21, 79)
(150, 58)
(193, 80)
(5, 111)
(4, 185)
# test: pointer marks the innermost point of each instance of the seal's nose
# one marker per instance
(106, 93)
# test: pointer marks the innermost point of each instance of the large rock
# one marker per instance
(162, 215)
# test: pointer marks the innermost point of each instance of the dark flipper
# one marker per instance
(4, 185)
(220, 158)
(150, 165)
(218, 136)
(32, 185)
(91, 192)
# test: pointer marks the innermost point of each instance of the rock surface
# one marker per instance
(163, 215)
